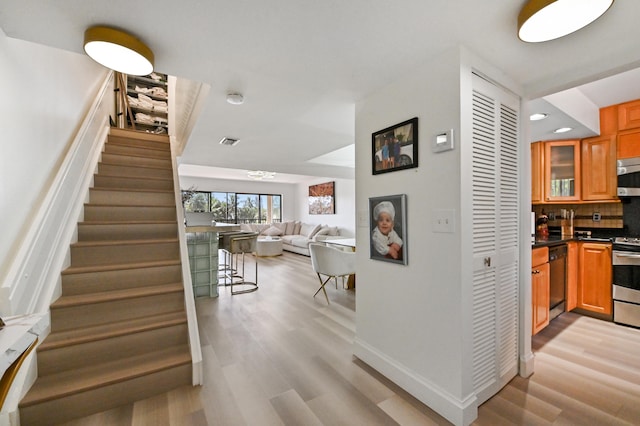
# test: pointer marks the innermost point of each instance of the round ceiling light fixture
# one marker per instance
(260, 174)
(538, 116)
(235, 98)
(563, 130)
(118, 51)
(544, 20)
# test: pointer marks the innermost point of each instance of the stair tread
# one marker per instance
(123, 242)
(169, 191)
(65, 338)
(66, 383)
(134, 177)
(142, 166)
(118, 266)
(112, 295)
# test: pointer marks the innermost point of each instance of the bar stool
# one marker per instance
(237, 245)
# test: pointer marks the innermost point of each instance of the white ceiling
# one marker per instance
(302, 65)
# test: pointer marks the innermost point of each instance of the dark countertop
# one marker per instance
(554, 240)
(551, 240)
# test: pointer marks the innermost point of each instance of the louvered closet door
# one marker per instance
(495, 237)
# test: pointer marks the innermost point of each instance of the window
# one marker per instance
(232, 207)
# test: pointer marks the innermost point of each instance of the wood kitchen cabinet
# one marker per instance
(540, 275)
(562, 176)
(572, 276)
(594, 278)
(628, 144)
(629, 115)
(537, 172)
(598, 160)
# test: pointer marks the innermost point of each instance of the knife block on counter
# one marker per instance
(566, 227)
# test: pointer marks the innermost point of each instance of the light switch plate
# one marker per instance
(443, 220)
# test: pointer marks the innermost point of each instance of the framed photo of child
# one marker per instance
(388, 228)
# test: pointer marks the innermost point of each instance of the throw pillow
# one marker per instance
(272, 232)
(323, 231)
(281, 226)
(245, 227)
(296, 228)
(290, 228)
(333, 231)
(309, 230)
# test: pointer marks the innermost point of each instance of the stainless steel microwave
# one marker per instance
(628, 171)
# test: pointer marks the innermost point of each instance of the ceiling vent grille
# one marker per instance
(229, 141)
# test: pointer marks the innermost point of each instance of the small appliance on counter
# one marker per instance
(542, 226)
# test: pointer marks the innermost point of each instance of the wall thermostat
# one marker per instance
(443, 141)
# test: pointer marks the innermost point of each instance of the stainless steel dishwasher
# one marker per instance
(557, 280)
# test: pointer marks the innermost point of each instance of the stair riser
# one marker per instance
(131, 198)
(105, 398)
(159, 146)
(123, 253)
(121, 310)
(136, 151)
(125, 160)
(106, 350)
(92, 282)
(100, 181)
(133, 171)
(90, 232)
(128, 213)
(116, 134)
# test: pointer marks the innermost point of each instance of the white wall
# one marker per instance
(345, 217)
(409, 322)
(45, 94)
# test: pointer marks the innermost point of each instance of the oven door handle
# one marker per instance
(631, 256)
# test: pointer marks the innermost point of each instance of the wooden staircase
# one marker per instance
(119, 330)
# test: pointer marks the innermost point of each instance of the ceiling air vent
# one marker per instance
(229, 141)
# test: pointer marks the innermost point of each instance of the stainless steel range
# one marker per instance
(626, 281)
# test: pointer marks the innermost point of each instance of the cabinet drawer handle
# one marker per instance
(535, 271)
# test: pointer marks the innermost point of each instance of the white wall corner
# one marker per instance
(456, 410)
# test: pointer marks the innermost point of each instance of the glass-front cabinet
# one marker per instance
(562, 170)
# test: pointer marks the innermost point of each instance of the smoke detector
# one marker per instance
(235, 98)
(229, 141)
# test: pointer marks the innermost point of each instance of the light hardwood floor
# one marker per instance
(278, 356)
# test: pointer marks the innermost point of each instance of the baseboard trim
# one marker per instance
(457, 411)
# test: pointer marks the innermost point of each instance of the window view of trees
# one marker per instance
(231, 207)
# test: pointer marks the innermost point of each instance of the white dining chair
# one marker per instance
(331, 263)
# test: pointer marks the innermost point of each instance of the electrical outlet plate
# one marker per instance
(597, 217)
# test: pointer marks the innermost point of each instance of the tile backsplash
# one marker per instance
(610, 214)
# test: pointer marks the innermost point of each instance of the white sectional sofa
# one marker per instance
(295, 235)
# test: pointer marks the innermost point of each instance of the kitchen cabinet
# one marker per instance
(562, 176)
(629, 115)
(537, 172)
(609, 120)
(572, 276)
(598, 160)
(594, 278)
(628, 144)
(540, 280)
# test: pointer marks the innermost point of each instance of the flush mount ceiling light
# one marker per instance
(259, 174)
(235, 98)
(118, 51)
(538, 116)
(563, 130)
(544, 20)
